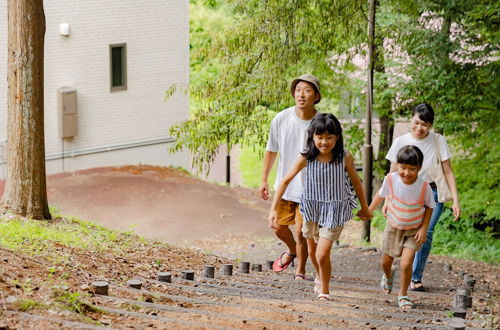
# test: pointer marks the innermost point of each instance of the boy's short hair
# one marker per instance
(410, 155)
(425, 112)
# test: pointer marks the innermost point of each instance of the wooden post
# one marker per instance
(367, 148)
(208, 271)
(135, 283)
(100, 287)
(456, 323)
(463, 299)
(245, 267)
(469, 282)
(227, 269)
(256, 267)
(165, 277)
(188, 275)
(460, 312)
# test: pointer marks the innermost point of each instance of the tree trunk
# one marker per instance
(367, 148)
(25, 189)
(386, 134)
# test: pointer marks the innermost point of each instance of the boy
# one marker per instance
(410, 202)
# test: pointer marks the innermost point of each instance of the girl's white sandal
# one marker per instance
(324, 296)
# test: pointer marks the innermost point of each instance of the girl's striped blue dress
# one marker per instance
(327, 197)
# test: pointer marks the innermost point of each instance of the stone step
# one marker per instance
(163, 322)
(289, 291)
(322, 309)
(312, 320)
(54, 321)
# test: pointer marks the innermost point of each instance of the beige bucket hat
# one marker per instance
(310, 79)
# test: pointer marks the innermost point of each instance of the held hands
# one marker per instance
(364, 214)
(384, 210)
(421, 235)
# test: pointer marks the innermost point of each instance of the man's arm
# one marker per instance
(269, 159)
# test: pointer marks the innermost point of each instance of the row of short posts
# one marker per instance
(102, 287)
(462, 302)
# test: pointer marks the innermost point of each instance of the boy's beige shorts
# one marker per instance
(395, 239)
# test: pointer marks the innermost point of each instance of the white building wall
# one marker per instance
(156, 33)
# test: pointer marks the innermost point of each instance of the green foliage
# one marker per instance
(250, 166)
(72, 301)
(378, 220)
(460, 239)
(26, 305)
(478, 182)
(42, 237)
(255, 60)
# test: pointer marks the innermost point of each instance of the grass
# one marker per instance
(459, 239)
(250, 166)
(29, 304)
(73, 301)
(34, 237)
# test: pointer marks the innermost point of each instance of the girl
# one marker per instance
(420, 135)
(327, 201)
(409, 207)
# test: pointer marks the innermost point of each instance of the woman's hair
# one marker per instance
(321, 124)
(424, 112)
(410, 155)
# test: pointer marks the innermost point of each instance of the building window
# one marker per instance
(118, 67)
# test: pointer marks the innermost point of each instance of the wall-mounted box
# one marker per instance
(67, 112)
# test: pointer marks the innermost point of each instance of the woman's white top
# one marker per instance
(425, 145)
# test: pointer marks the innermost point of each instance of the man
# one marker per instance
(287, 137)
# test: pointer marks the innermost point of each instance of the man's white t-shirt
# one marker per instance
(409, 193)
(288, 136)
(425, 145)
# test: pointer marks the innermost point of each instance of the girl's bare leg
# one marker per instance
(311, 248)
(325, 266)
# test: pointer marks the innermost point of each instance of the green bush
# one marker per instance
(250, 164)
(460, 239)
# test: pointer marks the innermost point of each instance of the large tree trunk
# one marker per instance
(25, 189)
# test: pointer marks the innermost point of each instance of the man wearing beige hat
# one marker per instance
(287, 137)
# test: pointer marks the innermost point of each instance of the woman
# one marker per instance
(420, 136)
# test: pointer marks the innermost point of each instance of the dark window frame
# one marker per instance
(123, 86)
